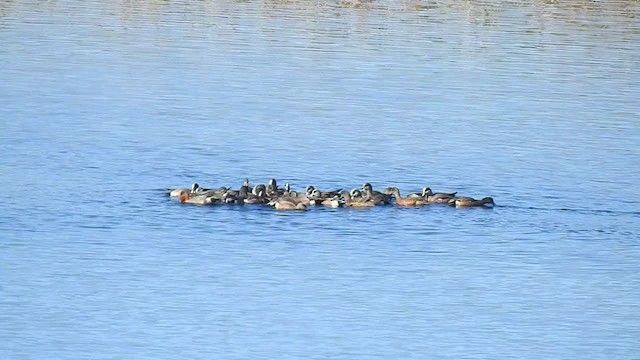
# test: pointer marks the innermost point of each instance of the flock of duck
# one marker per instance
(286, 199)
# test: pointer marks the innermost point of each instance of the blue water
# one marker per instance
(104, 104)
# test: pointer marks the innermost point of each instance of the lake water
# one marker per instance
(104, 104)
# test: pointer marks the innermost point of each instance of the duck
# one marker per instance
(317, 194)
(378, 197)
(316, 197)
(230, 197)
(356, 203)
(439, 198)
(334, 202)
(288, 205)
(325, 194)
(195, 188)
(465, 201)
(388, 190)
(408, 201)
(367, 186)
(255, 199)
(187, 198)
(245, 187)
(294, 197)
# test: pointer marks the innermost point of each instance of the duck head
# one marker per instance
(259, 188)
(184, 196)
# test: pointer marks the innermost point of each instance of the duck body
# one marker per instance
(255, 199)
(318, 196)
(176, 192)
(377, 197)
(356, 202)
(334, 202)
(309, 191)
(195, 188)
(295, 198)
(288, 205)
(415, 195)
(187, 198)
(438, 198)
(464, 201)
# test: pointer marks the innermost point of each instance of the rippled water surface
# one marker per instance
(104, 104)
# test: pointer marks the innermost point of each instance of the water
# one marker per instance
(103, 105)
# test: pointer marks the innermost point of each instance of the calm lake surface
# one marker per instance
(105, 104)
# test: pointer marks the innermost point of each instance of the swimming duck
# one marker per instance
(388, 191)
(367, 187)
(295, 197)
(195, 188)
(317, 194)
(255, 199)
(464, 201)
(288, 205)
(408, 201)
(356, 203)
(439, 198)
(230, 197)
(187, 198)
(245, 188)
(334, 202)
(310, 189)
(378, 197)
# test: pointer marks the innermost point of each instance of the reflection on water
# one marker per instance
(106, 104)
